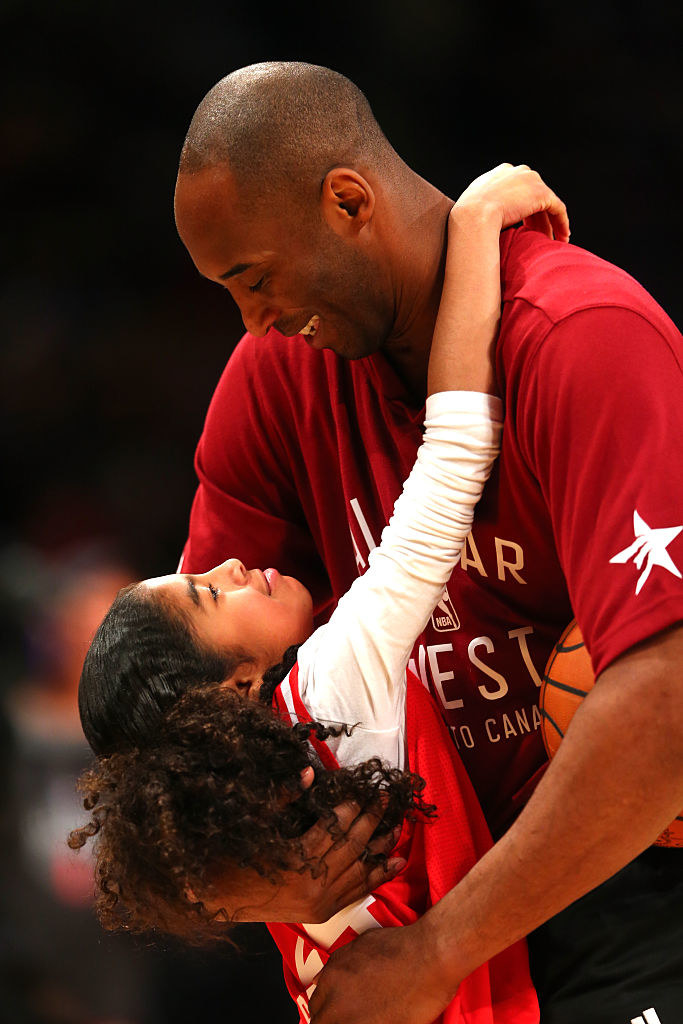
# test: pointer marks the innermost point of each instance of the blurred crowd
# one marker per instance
(56, 964)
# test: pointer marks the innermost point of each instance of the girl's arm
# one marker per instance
(461, 356)
(352, 669)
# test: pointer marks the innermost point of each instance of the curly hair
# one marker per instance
(219, 787)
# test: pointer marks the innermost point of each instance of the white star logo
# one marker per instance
(651, 545)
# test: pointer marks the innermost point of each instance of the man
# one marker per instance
(290, 197)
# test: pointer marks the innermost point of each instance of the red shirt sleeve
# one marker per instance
(247, 505)
(602, 427)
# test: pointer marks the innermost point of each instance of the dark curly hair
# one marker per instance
(217, 788)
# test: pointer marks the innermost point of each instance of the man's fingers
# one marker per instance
(350, 818)
(359, 879)
(385, 844)
(319, 839)
(356, 828)
(347, 872)
(384, 873)
(349, 836)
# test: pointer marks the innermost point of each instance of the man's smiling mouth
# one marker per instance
(311, 328)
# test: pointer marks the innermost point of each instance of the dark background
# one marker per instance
(110, 343)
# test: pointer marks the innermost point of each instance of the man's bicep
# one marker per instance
(604, 423)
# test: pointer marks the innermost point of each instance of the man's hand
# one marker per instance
(241, 894)
(569, 838)
(386, 976)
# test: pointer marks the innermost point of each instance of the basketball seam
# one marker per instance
(565, 686)
(544, 714)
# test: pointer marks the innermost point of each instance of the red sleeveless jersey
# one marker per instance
(438, 852)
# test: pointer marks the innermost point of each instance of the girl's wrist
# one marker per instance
(476, 213)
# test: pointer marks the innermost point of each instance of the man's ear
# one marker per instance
(347, 200)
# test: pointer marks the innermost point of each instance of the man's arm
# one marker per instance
(614, 785)
(597, 414)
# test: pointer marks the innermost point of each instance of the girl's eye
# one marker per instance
(259, 284)
(213, 591)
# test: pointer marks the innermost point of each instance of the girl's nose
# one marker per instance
(236, 570)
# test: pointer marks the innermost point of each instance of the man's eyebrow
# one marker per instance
(193, 592)
(239, 268)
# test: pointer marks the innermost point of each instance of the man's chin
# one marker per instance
(358, 348)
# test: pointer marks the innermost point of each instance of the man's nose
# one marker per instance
(258, 317)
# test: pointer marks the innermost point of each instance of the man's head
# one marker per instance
(281, 176)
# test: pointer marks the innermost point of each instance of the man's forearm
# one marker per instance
(615, 783)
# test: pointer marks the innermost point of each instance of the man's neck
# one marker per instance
(418, 268)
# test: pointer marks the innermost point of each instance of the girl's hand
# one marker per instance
(513, 194)
(461, 356)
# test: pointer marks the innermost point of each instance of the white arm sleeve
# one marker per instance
(352, 669)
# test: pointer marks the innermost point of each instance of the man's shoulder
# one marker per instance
(549, 281)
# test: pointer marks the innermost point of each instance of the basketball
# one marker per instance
(568, 678)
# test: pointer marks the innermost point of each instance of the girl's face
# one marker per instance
(261, 612)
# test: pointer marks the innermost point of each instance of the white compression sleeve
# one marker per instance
(352, 669)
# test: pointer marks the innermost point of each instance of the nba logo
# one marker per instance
(444, 617)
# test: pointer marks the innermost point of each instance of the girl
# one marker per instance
(202, 802)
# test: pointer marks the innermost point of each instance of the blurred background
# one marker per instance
(110, 345)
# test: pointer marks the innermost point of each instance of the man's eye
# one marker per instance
(259, 284)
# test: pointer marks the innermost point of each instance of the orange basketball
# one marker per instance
(568, 678)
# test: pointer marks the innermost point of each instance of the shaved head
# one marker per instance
(290, 197)
(284, 123)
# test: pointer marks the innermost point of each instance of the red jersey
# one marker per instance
(303, 456)
(438, 854)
